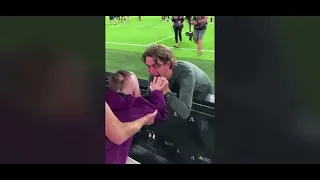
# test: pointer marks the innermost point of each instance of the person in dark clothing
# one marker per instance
(189, 22)
(127, 104)
(177, 27)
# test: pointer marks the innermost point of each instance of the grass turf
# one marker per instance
(125, 42)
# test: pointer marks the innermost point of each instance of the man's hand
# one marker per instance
(165, 86)
(156, 84)
(149, 118)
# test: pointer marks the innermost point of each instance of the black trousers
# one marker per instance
(177, 32)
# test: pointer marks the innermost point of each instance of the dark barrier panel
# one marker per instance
(176, 140)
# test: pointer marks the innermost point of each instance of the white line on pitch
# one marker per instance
(164, 39)
(127, 44)
(143, 45)
(161, 40)
(193, 49)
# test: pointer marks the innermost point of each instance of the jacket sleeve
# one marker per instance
(182, 104)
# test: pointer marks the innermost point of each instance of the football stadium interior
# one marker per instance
(174, 141)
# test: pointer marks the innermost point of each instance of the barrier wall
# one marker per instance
(177, 141)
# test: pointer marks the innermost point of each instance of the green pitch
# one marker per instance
(125, 42)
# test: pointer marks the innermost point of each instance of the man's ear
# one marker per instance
(167, 65)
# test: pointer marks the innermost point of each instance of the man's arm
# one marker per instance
(182, 105)
(157, 99)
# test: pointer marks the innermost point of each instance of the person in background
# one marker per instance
(189, 22)
(177, 27)
(127, 104)
(123, 19)
(111, 18)
(163, 18)
(200, 26)
(117, 19)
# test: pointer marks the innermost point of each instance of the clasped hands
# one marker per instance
(161, 84)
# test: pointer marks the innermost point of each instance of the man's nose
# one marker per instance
(151, 70)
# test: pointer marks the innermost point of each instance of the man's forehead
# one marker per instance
(149, 60)
(153, 62)
(150, 64)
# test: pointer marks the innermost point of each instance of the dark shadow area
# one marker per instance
(267, 90)
(51, 74)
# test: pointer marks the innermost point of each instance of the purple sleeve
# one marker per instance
(157, 99)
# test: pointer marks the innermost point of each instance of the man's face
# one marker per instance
(156, 69)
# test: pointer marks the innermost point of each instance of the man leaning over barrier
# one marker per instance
(185, 79)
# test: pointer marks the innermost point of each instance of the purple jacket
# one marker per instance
(128, 108)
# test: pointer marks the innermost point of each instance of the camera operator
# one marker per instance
(200, 26)
(177, 26)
